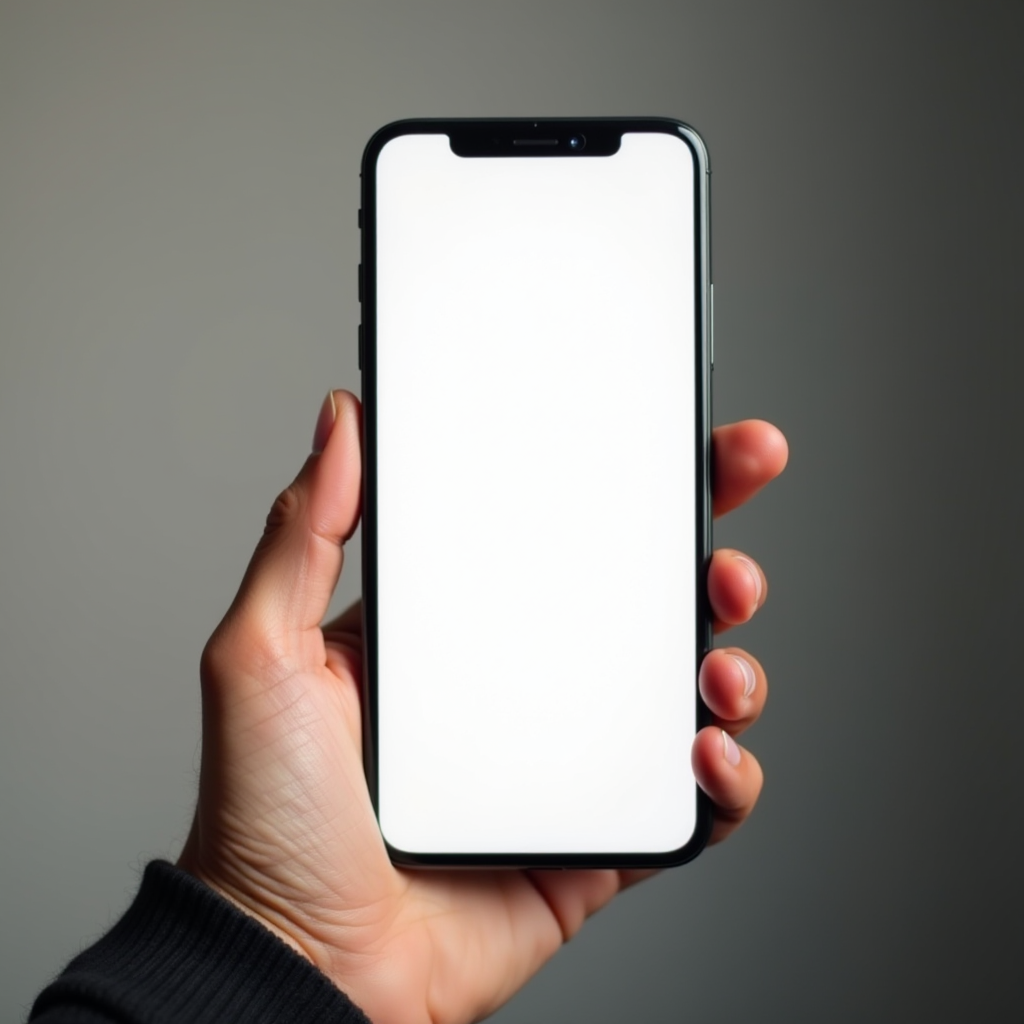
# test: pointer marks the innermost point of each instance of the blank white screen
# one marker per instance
(536, 533)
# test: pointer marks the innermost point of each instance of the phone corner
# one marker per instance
(699, 838)
(382, 136)
(399, 857)
(687, 132)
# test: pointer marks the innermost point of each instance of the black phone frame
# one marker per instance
(481, 138)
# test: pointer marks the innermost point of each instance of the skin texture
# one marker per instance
(284, 826)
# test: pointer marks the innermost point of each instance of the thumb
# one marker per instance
(289, 582)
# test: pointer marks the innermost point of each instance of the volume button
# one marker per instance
(360, 282)
(711, 321)
(360, 346)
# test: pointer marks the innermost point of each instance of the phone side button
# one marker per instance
(360, 282)
(360, 347)
(711, 322)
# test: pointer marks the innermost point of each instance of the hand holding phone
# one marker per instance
(285, 827)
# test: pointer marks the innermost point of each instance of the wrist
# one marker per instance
(276, 923)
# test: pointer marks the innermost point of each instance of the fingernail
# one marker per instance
(752, 569)
(324, 423)
(749, 679)
(729, 749)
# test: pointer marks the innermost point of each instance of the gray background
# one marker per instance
(178, 187)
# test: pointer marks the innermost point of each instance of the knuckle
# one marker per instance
(241, 649)
(285, 510)
(215, 661)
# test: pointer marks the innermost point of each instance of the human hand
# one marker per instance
(284, 826)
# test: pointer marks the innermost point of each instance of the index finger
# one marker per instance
(744, 457)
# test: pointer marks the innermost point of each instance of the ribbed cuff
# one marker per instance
(182, 953)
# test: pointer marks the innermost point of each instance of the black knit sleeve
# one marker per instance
(181, 953)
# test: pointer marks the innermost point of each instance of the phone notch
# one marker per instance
(552, 138)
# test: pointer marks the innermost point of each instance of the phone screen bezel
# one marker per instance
(481, 138)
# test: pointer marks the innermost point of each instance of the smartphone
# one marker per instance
(536, 355)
